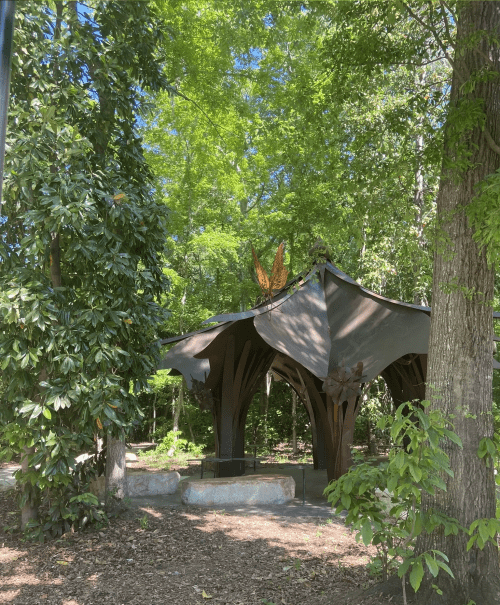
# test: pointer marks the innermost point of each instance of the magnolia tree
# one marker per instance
(81, 246)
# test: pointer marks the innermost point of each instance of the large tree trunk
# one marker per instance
(459, 379)
(153, 427)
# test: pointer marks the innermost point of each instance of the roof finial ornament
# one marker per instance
(278, 276)
(320, 251)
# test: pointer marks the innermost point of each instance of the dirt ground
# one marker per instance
(188, 556)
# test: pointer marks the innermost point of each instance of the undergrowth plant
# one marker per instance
(68, 506)
(180, 445)
(383, 501)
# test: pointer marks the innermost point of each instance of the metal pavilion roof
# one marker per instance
(321, 319)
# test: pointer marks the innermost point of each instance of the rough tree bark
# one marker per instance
(116, 469)
(459, 379)
(153, 427)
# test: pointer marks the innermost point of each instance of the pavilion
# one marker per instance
(326, 336)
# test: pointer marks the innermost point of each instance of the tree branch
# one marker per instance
(175, 92)
(257, 199)
(433, 31)
(449, 9)
(476, 50)
(448, 33)
(489, 139)
(491, 143)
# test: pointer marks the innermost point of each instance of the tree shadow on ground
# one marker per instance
(155, 556)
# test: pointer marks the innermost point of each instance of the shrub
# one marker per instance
(173, 440)
(383, 502)
(68, 507)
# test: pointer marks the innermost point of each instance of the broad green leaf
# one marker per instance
(453, 437)
(416, 473)
(367, 532)
(346, 500)
(416, 575)
(483, 531)
(445, 567)
(431, 564)
(403, 568)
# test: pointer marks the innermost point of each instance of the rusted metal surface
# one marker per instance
(277, 280)
(299, 328)
(181, 358)
(343, 384)
(225, 366)
(331, 320)
(405, 378)
(297, 282)
(309, 333)
(264, 307)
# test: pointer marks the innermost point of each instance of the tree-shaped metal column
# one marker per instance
(310, 333)
(343, 391)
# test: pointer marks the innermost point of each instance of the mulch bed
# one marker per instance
(188, 556)
(152, 557)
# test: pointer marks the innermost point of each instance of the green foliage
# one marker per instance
(269, 134)
(65, 505)
(276, 427)
(172, 440)
(82, 239)
(489, 449)
(163, 394)
(377, 402)
(383, 502)
(484, 214)
(483, 531)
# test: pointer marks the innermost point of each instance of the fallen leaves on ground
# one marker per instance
(186, 556)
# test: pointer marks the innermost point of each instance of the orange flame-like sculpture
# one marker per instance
(278, 273)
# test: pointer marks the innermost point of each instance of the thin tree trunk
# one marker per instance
(31, 494)
(264, 408)
(418, 200)
(154, 419)
(29, 511)
(294, 421)
(459, 379)
(55, 249)
(193, 439)
(116, 469)
(176, 412)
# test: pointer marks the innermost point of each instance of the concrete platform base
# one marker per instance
(248, 489)
(142, 484)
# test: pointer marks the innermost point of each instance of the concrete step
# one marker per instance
(248, 489)
(142, 484)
